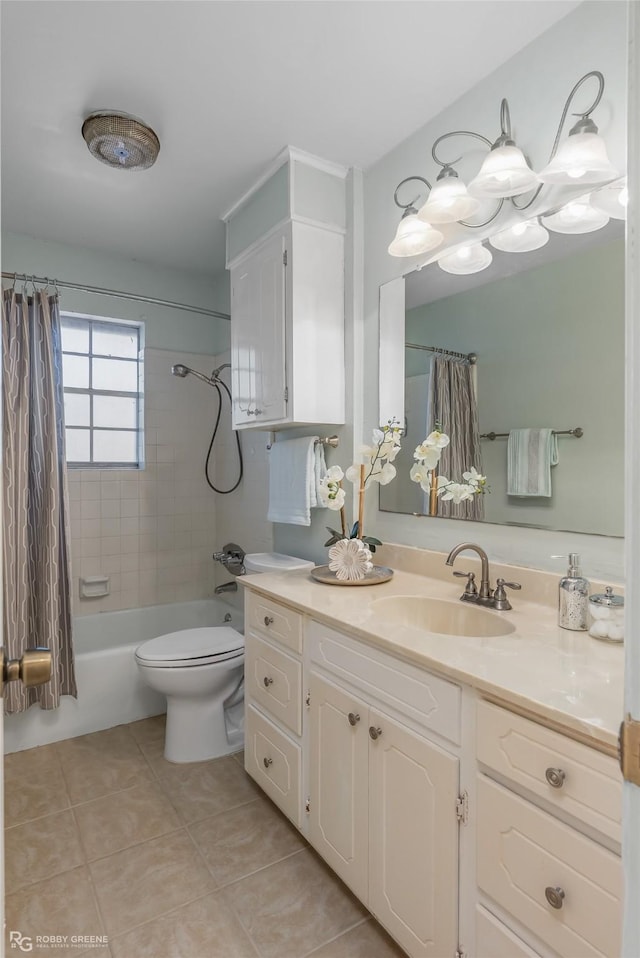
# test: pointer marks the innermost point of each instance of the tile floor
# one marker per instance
(106, 838)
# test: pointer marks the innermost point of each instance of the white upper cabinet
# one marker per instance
(285, 251)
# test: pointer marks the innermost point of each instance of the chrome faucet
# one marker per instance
(226, 587)
(486, 596)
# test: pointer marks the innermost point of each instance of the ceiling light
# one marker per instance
(521, 237)
(448, 201)
(413, 236)
(472, 258)
(612, 200)
(578, 216)
(505, 172)
(120, 140)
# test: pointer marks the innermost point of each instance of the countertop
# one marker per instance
(567, 679)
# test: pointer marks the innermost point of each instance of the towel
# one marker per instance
(295, 468)
(530, 455)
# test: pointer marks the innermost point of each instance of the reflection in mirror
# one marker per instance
(547, 328)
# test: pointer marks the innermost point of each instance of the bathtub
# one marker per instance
(110, 691)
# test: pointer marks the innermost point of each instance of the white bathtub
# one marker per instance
(110, 691)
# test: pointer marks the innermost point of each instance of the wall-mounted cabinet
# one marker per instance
(285, 251)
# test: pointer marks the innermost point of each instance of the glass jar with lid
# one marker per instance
(606, 616)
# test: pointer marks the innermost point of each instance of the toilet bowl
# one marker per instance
(201, 672)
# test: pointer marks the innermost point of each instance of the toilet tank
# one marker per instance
(275, 562)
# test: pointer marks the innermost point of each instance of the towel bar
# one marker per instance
(578, 432)
(333, 441)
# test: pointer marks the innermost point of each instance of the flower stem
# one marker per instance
(343, 521)
(361, 502)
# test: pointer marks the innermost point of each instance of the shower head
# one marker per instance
(182, 371)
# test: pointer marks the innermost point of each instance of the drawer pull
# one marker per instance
(555, 778)
(268, 620)
(269, 761)
(374, 732)
(353, 718)
(555, 896)
(267, 680)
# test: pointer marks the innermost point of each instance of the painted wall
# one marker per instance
(536, 83)
(164, 328)
(550, 344)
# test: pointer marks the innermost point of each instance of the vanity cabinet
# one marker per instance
(547, 808)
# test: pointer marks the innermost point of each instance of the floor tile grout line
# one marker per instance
(136, 844)
(164, 914)
(362, 921)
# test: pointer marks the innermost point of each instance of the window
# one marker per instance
(102, 379)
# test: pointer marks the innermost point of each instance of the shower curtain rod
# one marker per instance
(472, 358)
(116, 294)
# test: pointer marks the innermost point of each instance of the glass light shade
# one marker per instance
(612, 200)
(505, 172)
(413, 237)
(521, 237)
(448, 202)
(467, 259)
(578, 216)
(582, 158)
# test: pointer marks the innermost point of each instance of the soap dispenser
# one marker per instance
(573, 597)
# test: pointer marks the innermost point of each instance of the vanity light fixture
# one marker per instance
(612, 199)
(471, 258)
(578, 216)
(521, 237)
(505, 171)
(449, 200)
(413, 235)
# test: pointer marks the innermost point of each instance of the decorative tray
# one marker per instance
(379, 573)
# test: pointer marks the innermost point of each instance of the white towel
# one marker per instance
(530, 455)
(294, 465)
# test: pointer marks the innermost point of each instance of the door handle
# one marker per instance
(34, 668)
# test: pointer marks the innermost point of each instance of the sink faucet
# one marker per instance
(485, 596)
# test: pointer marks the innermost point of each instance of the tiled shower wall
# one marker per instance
(152, 531)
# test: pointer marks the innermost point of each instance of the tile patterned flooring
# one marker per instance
(105, 838)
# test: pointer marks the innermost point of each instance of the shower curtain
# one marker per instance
(453, 403)
(36, 581)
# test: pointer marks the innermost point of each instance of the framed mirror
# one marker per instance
(546, 329)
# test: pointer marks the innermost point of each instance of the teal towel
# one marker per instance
(530, 455)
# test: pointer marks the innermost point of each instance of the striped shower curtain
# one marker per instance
(37, 600)
(453, 403)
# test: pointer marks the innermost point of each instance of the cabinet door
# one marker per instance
(338, 782)
(258, 335)
(413, 829)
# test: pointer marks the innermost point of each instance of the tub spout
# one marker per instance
(226, 587)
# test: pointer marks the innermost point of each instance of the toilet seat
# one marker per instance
(192, 647)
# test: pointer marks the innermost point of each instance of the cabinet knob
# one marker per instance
(555, 777)
(267, 762)
(353, 717)
(374, 732)
(268, 620)
(267, 681)
(555, 896)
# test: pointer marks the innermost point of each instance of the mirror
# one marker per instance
(547, 328)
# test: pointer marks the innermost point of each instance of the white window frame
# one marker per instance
(92, 323)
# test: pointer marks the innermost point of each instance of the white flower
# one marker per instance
(353, 473)
(428, 455)
(350, 559)
(330, 493)
(458, 492)
(437, 439)
(419, 473)
(474, 479)
(386, 474)
(334, 473)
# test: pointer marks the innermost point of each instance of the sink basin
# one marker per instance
(441, 616)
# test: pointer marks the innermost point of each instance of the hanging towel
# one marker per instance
(530, 455)
(319, 472)
(292, 481)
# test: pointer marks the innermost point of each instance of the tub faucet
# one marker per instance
(226, 587)
(485, 596)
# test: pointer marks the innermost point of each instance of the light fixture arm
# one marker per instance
(408, 179)
(451, 163)
(584, 124)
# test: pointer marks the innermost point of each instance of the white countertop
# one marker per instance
(566, 678)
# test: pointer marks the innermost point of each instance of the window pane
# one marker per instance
(75, 372)
(115, 340)
(115, 446)
(75, 335)
(119, 375)
(76, 409)
(115, 411)
(77, 441)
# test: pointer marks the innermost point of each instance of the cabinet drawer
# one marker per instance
(495, 940)
(274, 620)
(274, 679)
(415, 693)
(523, 851)
(273, 760)
(588, 783)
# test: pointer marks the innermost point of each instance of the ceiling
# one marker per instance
(225, 85)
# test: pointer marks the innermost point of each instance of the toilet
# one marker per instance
(201, 672)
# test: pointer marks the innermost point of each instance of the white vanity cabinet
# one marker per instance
(383, 796)
(548, 828)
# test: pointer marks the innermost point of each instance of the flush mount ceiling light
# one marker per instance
(612, 199)
(578, 216)
(521, 237)
(120, 140)
(472, 258)
(413, 235)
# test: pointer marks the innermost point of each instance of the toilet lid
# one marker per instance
(211, 643)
